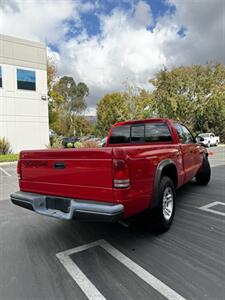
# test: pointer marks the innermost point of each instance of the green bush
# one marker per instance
(5, 147)
(78, 144)
(70, 145)
(56, 143)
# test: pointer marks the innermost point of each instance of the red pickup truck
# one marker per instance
(139, 168)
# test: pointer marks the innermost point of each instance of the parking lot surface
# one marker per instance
(44, 258)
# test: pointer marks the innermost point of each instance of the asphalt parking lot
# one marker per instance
(44, 258)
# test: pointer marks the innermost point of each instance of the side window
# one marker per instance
(137, 134)
(120, 135)
(0, 76)
(187, 136)
(180, 133)
(157, 132)
(26, 80)
(184, 134)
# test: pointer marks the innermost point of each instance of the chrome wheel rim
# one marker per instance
(167, 203)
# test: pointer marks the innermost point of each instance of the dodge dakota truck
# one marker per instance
(139, 169)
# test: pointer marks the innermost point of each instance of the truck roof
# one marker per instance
(143, 121)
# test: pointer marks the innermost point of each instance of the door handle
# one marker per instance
(59, 165)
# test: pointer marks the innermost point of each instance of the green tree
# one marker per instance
(193, 95)
(72, 94)
(53, 97)
(110, 109)
(132, 104)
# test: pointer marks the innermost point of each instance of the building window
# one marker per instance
(26, 80)
(0, 76)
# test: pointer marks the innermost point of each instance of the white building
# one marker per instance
(23, 93)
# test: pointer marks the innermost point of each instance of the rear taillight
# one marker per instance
(19, 169)
(121, 177)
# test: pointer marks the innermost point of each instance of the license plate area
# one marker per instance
(58, 204)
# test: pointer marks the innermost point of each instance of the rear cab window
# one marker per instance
(120, 135)
(149, 132)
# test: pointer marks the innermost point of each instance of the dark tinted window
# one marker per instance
(184, 134)
(137, 134)
(188, 138)
(0, 76)
(180, 133)
(120, 135)
(157, 132)
(26, 80)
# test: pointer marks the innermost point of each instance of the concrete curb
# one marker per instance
(8, 163)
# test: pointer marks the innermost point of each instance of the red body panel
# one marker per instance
(88, 173)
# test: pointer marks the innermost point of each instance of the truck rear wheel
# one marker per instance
(164, 212)
(204, 174)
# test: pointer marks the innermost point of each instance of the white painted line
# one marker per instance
(91, 291)
(85, 284)
(214, 211)
(5, 172)
(218, 165)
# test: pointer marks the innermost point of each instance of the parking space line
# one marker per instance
(91, 291)
(84, 283)
(209, 209)
(5, 172)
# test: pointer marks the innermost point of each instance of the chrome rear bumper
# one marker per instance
(67, 208)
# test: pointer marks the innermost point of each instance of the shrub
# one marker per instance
(69, 145)
(78, 144)
(56, 143)
(89, 144)
(5, 147)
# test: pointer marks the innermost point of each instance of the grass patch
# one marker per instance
(8, 157)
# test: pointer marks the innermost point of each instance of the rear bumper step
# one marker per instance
(67, 208)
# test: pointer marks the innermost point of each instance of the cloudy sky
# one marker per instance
(106, 43)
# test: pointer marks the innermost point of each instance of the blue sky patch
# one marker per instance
(90, 19)
(182, 32)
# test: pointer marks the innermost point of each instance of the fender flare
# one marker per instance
(157, 178)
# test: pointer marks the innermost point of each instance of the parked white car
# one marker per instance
(209, 139)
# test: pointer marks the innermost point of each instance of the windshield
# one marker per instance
(204, 135)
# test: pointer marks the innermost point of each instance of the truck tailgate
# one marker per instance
(73, 173)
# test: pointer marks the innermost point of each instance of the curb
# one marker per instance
(8, 163)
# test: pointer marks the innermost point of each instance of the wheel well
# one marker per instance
(171, 171)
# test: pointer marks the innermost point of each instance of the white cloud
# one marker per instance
(142, 14)
(124, 50)
(38, 20)
(205, 40)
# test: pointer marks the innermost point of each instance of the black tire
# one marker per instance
(216, 143)
(161, 223)
(204, 174)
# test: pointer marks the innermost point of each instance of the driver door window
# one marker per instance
(187, 136)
